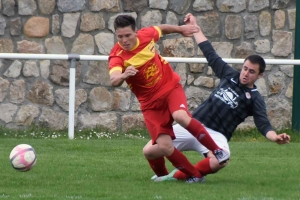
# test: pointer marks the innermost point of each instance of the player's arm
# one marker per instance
(278, 138)
(199, 37)
(189, 19)
(117, 77)
(263, 124)
(183, 30)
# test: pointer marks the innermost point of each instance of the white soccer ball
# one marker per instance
(22, 157)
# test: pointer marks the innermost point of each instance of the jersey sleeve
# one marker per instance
(158, 33)
(260, 116)
(220, 68)
(115, 62)
(152, 32)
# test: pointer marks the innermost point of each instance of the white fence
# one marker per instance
(74, 57)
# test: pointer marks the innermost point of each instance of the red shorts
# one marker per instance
(158, 114)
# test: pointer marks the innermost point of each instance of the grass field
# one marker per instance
(115, 169)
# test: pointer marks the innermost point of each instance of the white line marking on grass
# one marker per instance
(74, 197)
(25, 195)
(258, 198)
(2, 196)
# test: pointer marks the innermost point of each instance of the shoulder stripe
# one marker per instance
(119, 52)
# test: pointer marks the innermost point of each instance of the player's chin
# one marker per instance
(126, 47)
(244, 82)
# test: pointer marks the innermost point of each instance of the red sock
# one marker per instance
(203, 166)
(181, 162)
(180, 175)
(198, 131)
(158, 166)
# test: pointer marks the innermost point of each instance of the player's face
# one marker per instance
(126, 37)
(249, 74)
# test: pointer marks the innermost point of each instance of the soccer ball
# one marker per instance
(22, 157)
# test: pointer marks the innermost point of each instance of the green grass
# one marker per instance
(252, 134)
(112, 167)
(244, 135)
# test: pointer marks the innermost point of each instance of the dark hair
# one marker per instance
(123, 21)
(256, 59)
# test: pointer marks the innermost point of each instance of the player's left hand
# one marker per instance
(283, 139)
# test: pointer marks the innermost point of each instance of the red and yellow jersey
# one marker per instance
(155, 76)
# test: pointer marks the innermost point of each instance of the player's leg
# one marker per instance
(210, 164)
(177, 158)
(179, 109)
(185, 141)
(155, 159)
(159, 124)
(199, 132)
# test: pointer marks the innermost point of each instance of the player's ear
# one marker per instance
(260, 75)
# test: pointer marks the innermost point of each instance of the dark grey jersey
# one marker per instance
(230, 103)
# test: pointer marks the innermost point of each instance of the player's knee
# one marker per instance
(224, 164)
(181, 117)
(166, 149)
(145, 151)
(152, 151)
(148, 152)
(165, 144)
(209, 155)
(220, 166)
(215, 166)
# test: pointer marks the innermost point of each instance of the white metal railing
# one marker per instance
(105, 58)
(75, 57)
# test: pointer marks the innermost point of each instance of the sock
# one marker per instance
(181, 162)
(203, 166)
(198, 131)
(180, 175)
(158, 166)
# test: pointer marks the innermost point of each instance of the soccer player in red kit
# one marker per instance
(162, 99)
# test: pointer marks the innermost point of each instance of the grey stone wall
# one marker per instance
(36, 91)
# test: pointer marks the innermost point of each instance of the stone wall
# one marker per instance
(36, 91)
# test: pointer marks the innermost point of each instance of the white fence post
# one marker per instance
(73, 58)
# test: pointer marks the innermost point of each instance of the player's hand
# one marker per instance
(188, 30)
(190, 19)
(283, 139)
(130, 71)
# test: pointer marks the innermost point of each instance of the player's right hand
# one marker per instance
(130, 71)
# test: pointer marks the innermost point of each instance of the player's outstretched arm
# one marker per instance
(282, 138)
(184, 30)
(190, 19)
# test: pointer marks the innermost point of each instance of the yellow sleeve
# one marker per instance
(115, 69)
(158, 30)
